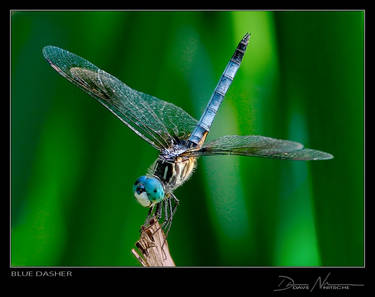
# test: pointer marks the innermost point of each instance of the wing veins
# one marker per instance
(259, 146)
(158, 122)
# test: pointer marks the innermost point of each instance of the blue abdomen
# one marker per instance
(217, 97)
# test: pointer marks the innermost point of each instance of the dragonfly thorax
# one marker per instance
(173, 172)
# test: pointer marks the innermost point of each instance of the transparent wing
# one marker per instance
(160, 123)
(259, 146)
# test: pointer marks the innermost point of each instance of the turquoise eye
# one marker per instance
(154, 189)
(148, 191)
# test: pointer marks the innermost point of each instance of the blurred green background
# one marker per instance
(73, 163)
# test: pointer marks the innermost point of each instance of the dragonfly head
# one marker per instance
(148, 190)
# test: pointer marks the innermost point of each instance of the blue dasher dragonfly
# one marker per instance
(179, 138)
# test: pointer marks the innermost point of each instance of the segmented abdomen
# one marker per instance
(217, 97)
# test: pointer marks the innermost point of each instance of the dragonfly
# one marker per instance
(178, 137)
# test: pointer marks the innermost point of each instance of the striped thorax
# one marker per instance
(173, 173)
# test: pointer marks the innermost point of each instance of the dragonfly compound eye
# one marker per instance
(148, 191)
(140, 193)
(154, 189)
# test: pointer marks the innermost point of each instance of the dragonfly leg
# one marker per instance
(149, 215)
(158, 213)
(175, 199)
(172, 210)
(169, 223)
(159, 210)
(165, 211)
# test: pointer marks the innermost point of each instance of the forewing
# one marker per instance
(158, 122)
(259, 146)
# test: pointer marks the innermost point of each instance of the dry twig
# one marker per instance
(153, 246)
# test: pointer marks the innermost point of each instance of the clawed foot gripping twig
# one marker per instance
(153, 242)
(152, 246)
